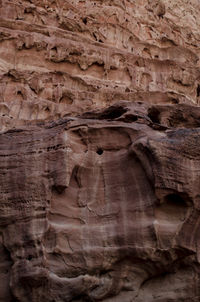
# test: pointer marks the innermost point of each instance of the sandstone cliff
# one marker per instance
(64, 57)
(99, 151)
(104, 207)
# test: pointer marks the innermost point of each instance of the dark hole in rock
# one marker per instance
(174, 208)
(129, 118)
(154, 115)
(99, 151)
(176, 200)
(110, 113)
(99, 63)
(29, 257)
(58, 189)
(172, 212)
(113, 112)
(95, 37)
(85, 20)
(198, 90)
(174, 101)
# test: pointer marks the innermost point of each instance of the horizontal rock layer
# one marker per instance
(104, 207)
(64, 57)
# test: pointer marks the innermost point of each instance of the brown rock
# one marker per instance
(104, 207)
(99, 151)
(66, 57)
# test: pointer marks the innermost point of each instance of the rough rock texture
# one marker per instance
(99, 151)
(104, 207)
(61, 57)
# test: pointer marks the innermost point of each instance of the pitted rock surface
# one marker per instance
(99, 151)
(102, 207)
(65, 57)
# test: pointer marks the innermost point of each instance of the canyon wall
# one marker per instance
(99, 151)
(65, 57)
(104, 207)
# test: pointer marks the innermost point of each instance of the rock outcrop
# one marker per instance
(104, 207)
(61, 57)
(99, 151)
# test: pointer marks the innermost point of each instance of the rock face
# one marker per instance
(61, 57)
(104, 207)
(99, 151)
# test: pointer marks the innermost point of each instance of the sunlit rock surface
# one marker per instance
(102, 207)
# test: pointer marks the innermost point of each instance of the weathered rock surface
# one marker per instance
(104, 207)
(99, 151)
(64, 57)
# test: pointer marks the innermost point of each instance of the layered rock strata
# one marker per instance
(64, 57)
(102, 207)
(99, 151)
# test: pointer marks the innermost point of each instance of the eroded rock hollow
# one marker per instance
(99, 151)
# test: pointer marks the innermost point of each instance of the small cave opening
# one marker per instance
(154, 115)
(29, 257)
(174, 208)
(198, 90)
(99, 151)
(175, 200)
(113, 112)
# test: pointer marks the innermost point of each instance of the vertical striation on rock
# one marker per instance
(104, 207)
(99, 151)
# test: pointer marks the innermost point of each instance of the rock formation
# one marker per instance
(99, 151)
(104, 207)
(61, 57)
